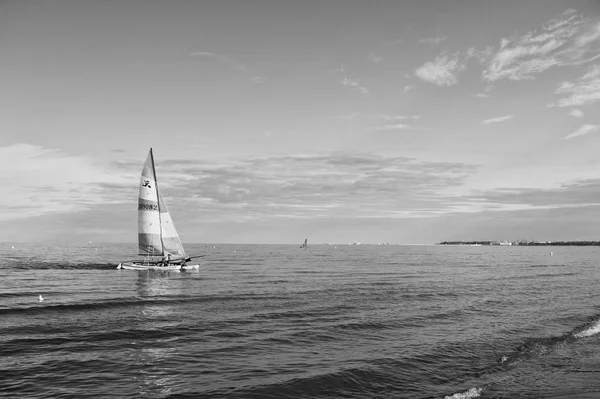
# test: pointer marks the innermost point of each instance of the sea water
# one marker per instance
(278, 321)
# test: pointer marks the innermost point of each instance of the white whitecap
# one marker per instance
(471, 393)
(593, 330)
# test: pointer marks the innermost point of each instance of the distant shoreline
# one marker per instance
(522, 243)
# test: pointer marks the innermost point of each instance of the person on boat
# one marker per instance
(166, 260)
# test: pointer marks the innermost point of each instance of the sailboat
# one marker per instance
(158, 240)
(305, 245)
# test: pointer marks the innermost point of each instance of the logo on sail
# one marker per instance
(146, 184)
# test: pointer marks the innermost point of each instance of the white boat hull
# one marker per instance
(146, 266)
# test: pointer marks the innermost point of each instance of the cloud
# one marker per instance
(577, 113)
(497, 119)
(398, 117)
(443, 71)
(566, 40)
(574, 194)
(585, 90)
(230, 63)
(374, 59)
(570, 39)
(435, 41)
(43, 181)
(203, 54)
(348, 82)
(396, 126)
(407, 88)
(354, 84)
(395, 118)
(313, 186)
(583, 129)
(481, 55)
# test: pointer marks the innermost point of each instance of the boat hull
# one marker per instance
(146, 266)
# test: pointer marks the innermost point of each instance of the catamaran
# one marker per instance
(158, 240)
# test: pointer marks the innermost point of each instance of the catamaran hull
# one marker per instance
(141, 266)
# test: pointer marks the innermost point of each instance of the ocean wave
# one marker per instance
(535, 347)
(47, 307)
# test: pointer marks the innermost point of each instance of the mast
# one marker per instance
(157, 200)
(154, 171)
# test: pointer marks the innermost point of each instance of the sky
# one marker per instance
(274, 121)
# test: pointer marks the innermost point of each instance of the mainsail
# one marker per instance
(157, 235)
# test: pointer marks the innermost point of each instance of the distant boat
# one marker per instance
(158, 240)
(305, 245)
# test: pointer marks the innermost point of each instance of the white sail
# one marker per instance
(171, 242)
(157, 235)
(149, 233)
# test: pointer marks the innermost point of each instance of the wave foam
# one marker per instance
(471, 393)
(593, 330)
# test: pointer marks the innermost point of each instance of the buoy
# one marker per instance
(13, 247)
(551, 254)
(41, 298)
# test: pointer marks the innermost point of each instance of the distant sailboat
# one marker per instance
(157, 236)
(305, 245)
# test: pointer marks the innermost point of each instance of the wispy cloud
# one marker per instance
(348, 82)
(433, 40)
(231, 63)
(497, 119)
(578, 193)
(583, 130)
(354, 84)
(568, 39)
(396, 122)
(443, 71)
(480, 55)
(407, 88)
(577, 113)
(203, 54)
(399, 117)
(45, 181)
(374, 59)
(314, 186)
(585, 90)
(396, 126)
